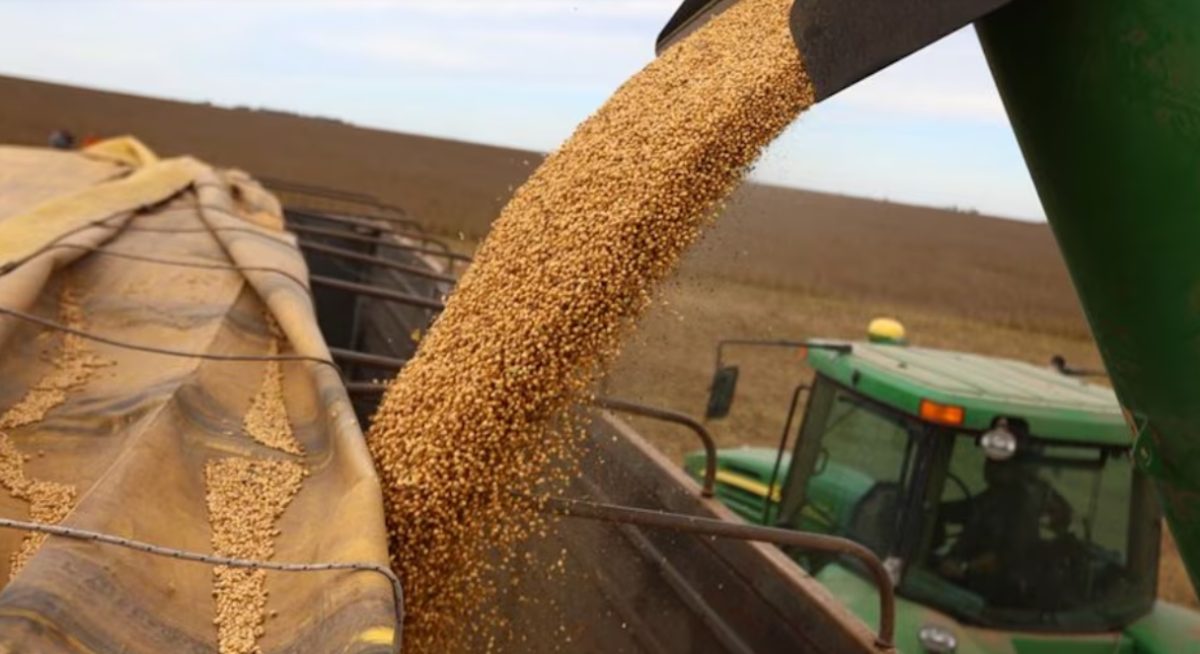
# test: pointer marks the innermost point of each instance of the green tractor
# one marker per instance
(1001, 496)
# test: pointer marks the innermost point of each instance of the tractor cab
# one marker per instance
(1000, 495)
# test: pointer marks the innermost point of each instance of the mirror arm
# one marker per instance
(710, 446)
(844, 348)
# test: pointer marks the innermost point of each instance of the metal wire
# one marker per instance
(298, 229)
(368, 359)
(213, 559)
(203, 230)
(338, 195)
(182, 264)
(362, 222)
(592, 510)
(52, 324)
(17, 263)
(380, 292)
(359, 238)
(103, 224)
(382, 262)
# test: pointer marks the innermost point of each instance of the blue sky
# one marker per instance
(929, 130)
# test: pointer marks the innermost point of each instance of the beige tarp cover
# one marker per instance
(259, 459)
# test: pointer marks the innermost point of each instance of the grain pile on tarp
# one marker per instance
(467, 428)
(241, 458)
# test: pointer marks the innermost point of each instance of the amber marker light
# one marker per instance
(944, 414)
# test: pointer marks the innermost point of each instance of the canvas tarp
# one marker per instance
(103, 437)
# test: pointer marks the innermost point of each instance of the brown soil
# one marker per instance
(942, 260)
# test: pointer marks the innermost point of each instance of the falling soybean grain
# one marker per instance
(481, 410)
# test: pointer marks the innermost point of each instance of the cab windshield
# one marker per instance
(1059, 537)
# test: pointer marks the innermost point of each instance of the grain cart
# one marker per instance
(1002, 496)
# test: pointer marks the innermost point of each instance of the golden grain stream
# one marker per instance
(480, 417)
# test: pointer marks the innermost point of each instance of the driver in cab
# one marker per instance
(995, 551)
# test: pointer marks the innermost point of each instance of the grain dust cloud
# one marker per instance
(479, 417)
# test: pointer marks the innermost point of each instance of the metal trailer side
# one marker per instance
(632, 588)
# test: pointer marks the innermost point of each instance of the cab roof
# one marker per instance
(1055, 406)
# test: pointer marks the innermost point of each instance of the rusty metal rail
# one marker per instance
(382, 262)
(366, 222)
(365, 388)
(373, 360)
(385, 242)
(378, 292)
(318, 190)
(666, 415)
(335, 194)
(374, 224)
(591, 510)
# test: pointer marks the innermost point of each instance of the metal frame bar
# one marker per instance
(358, 238)
(319, 191)
(365, 388)
(402, 223)
(579, 508)
(366, 358)
(379, 292)
(666, 415)
(783, 440)
(844, 348)
(371, 222)
(382, 262)
(364, 223)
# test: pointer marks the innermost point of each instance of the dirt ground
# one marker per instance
(779, 263)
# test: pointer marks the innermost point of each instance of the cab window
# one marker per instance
(862, 465)
(1057, 536)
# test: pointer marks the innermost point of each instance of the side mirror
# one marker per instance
(720, 396)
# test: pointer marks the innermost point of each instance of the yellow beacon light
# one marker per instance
(887, 331)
